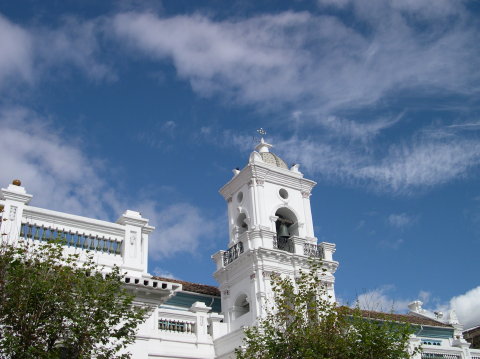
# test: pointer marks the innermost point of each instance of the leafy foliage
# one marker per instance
(304, 323)
(54, 306)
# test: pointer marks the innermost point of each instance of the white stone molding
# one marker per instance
(255, 157)
(306, 194)
(13, 213)
(15, 193)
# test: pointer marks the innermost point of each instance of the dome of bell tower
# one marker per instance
(263, 148)
(273, 159)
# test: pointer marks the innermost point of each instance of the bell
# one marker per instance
(283, 230)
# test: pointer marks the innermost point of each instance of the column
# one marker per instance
(16, 198)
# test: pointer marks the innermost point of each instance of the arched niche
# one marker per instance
(242, 306)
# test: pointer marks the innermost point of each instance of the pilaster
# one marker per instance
(201, 310)
(135, 245)
(15, 199)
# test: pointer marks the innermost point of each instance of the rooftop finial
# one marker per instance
(261, 131)
(262, 146)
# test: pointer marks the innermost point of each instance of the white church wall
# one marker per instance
(124, 243)
(175, 333)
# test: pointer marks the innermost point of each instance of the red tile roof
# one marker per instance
(194, 287)
(405, 318)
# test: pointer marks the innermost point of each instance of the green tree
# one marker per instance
(303, 323)
(54, 306)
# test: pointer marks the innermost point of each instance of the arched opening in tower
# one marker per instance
(286, 226)
(241, 223)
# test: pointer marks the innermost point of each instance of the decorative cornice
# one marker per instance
(132, 218)
(306, 194)
(16, 194)
(275, 175)
(328, 246)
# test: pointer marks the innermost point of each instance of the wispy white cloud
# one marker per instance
(336, 3)
(179, 227)
(30, 53)
(395, 244)
(424, 296)
(378, 9)
(356, 130)
(360, 224)
(417, 164)
(159, 135)
(57, 172)
(227, 138)
(74, 44)
(16, 60)
(62, 176)
(400, 220)
(160, 272)
(243, 59)
(319, 63)
(470, 126)
(303, 58)
(323, 66)
(423, 163)
(466, 305)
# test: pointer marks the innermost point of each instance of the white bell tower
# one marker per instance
(270, 230)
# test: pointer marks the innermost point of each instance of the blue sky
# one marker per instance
(149, 105)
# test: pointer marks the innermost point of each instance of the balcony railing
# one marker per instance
(177, 326)
(233, 253)
(440, 356)
(284, 244)
(71, 239)
(313, 250)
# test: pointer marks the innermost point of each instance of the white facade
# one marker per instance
(270, 231)
(261, 197)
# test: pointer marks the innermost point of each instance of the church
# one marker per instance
(270, 231)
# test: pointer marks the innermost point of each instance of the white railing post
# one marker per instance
(135, 243)
(218, 259)
(16, 198)
(217, 327)
(328, 250)
(201, 330)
